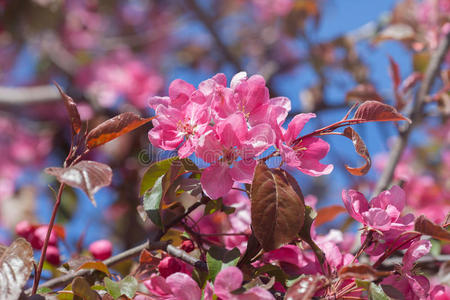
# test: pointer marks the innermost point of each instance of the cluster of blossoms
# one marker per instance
(228, 127)
(390, 230)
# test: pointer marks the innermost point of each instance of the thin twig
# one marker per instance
(415, 116)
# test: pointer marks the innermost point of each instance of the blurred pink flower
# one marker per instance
(120, 74)
(101, 249)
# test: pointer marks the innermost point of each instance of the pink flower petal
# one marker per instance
(377, 218)
(256, 293)
(243, 170)
(183, 287)
(179, 92)
(216, 181)
(295, 127)
(356, 204)
(414, 252)
(228, 280)
(157, 285)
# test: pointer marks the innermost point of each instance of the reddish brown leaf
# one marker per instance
(277, 210)
(364, 92)
(395, 73)
(328, 214)
(87, 175)
(113, 128)
(425, 226)
(361, 272)
(96, 265)
(362, 151)
(376, 111)
(71, 110)
(16, 264)
(305, 287)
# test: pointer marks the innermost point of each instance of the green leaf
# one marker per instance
(152, 202)
(219, 258)
(127, 286)
(435, 247)
(377, 293)
(154, 172)
(44, 290)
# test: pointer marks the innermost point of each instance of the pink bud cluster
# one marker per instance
(35, 234)
(229, 126)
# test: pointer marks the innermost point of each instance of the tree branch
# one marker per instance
(28, 95)
(415, 116)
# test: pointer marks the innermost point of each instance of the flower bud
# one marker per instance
(168, 266)
(187, 246)
(101, 249)
(52, 255)
(38, 238)
(24, 229)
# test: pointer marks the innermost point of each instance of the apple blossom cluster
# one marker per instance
(383, 216)
(230, 127)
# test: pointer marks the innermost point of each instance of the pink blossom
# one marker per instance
(180, 119)
(230, 279)
(178, 286)
(306, 154)
(410, 285)
(222, 146)
(383, 212)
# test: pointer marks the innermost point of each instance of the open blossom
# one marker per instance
(383, 216)
(222, 146)
(382, 213)
(412, 286)
(306, 154)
